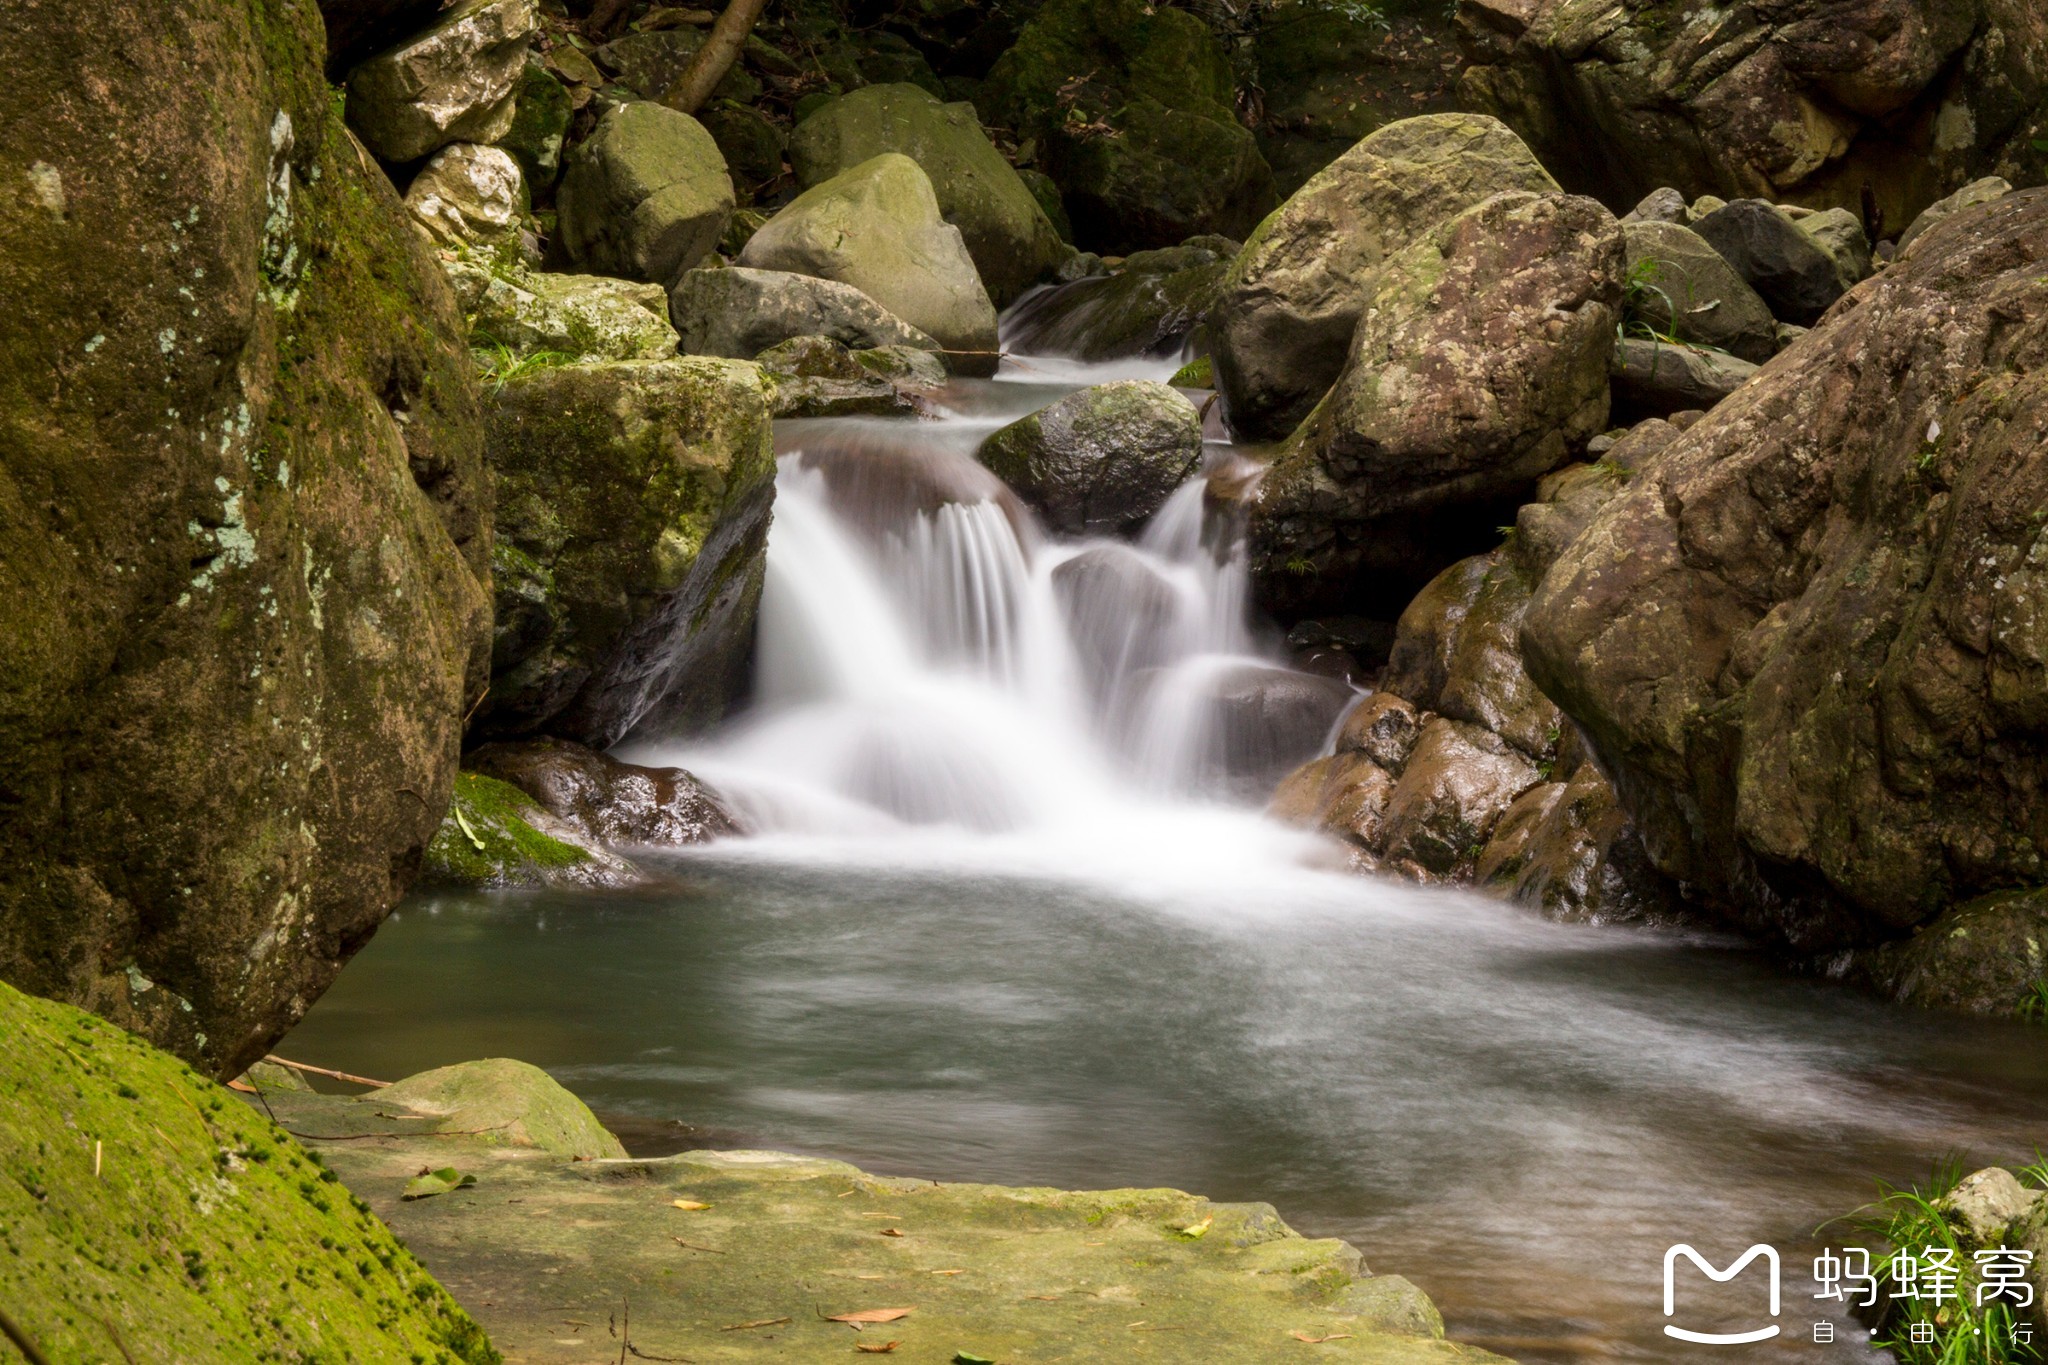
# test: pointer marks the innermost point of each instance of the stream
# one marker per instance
(1010, 915)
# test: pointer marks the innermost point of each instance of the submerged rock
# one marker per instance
(740, 313)
(633, 501)
(496, 837)
(469, 195)
(456, 82)
(877, 227)
(245, 606)
(205, 1222)
(1012, 241)
(618, 804)
(1986, 956)
(645, 196)
(1100, 461)
(1287, 310)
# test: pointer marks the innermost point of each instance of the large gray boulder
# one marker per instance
(1840, 234)
(646, 196)
(1480, 362)
(1100, 461)
(456, 82)
(740, 313)
(1684, 288)
(1795, 277)
(1012, 241)
(877, 227)
(469, 196)
(632, 516)
(1293, 296)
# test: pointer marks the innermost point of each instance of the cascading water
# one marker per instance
(930, 662)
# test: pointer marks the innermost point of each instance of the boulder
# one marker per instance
(207, 1221)
(1806, 648)
(1133, 109)
(1969, 196)
(1118, 609)
(469, 195)
(877, 227)
(617, 804)
(645, 196)
(507, 1103)
(1260, 721)
(633, 501)
(457, 81)
(1679, 286)
(1293, 296)
(752, 143)
(1985, 956)
(1657, 379)
(1816, 102)
(497, 838)
(542, 313)
(815, 376)
(1458, 782)
(1149, 307)
(1664, 205)
(1100, 461)
(1839, 233)
(1480, 363)
(247, 533)
(648, 63)
(1794, 276)
(540, 121)
(1012, 241)
(1567, 850)
(739, 313)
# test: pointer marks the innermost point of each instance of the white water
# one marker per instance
(932, 688)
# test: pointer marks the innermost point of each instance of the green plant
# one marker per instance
(498, 364)
(2034, 1009)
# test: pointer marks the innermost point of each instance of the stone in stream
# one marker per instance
(1679, 286)
(877, 227)
(1292, 298)
(633, 503)
(1149, 306)
(469, 196)
(1834, 580)
(815, 376)
(1480, 363)
(537, 312)
(1117, 608)
(208, 1227)
(737, 312)
(246, 602)
(784, 1243)
(1100, 461)
(497, 838)
(1657, 379)
(618, 804)
(1795, 277)
(646, 196)
(1012, 241)
(456, 82)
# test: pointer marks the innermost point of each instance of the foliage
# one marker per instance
(498, 364)
(2034, 1009)
(1239, 23)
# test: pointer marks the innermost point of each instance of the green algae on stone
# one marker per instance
(144, 1209)
(497, 836)
(1199, 373)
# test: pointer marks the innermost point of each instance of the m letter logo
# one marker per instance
(1770, 1254)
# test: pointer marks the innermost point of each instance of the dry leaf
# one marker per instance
(760, 1322)
(878, 1348)
(689, 1205)
(949, 1272)
(1200, 1229)
(872, 1315)
(1317, 1341)
(892, 1232)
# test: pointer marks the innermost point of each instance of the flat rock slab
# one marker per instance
(549, 1253)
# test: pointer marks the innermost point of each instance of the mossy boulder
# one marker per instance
(645, 196)
(649, 63)
(507, 1103)
(148, 1211)
(877, 227)
(1100, 461)
(496, 837)
(457, 81)
(1012, 241)
(752, 143)
(534, 313)
(1293, 297)
(1134, 109)
(633, 502)
(815, 376)
(1149, 307)
(739, 313)
(246, 541)
(540, 122)
(1681, 287)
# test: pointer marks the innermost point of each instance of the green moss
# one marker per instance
(486, 839)
(192, 1240)
(1199, 373)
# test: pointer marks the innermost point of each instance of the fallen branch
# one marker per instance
(720, 50)
(358, 1137)
(323, 1071)
(13, 1332)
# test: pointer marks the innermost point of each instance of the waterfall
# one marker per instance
(930, 660)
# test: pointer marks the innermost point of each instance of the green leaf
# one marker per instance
(2041, 144)
(430, 1183)
(970, 1358)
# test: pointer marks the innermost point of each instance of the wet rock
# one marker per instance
(1795, 277)
(1977, 192)
(586, 317)
(877, 227)
(456, 82)
(633, 501)
(884, 486)
(1457, 783)
(815, 376)
(1657, 379)
(1984, 1205)
(1986, 956)
(1145, 146)
(1100, 461)
(540, 122)
(1568, 850)
(1263, 721)
(739, 313)
(1831, 581)
(1682, 287)
(1484, 682)
(245, 606)
(1012, 241)
(1383, 727)
(496, 837)
(619, 805)
(1480, 363)
(1840, 234)
(1292, 298)
(1149, 307)
(468, 195)
(1344, 794)
(1117, 609)
(646, 196)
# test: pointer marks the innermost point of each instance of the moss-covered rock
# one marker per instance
(149, 1214)
(540, 122)
(646, 196)
(242, 557)
(753, 144)
(738, 313)
(1135, 110)
(1149, 307)
(633, 501)
(497, 837)
(542, 314)
(1011, 240)
(1100, 461)
(816, 376)
(506, 1103)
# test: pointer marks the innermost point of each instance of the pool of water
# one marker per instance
(1520, 1117)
